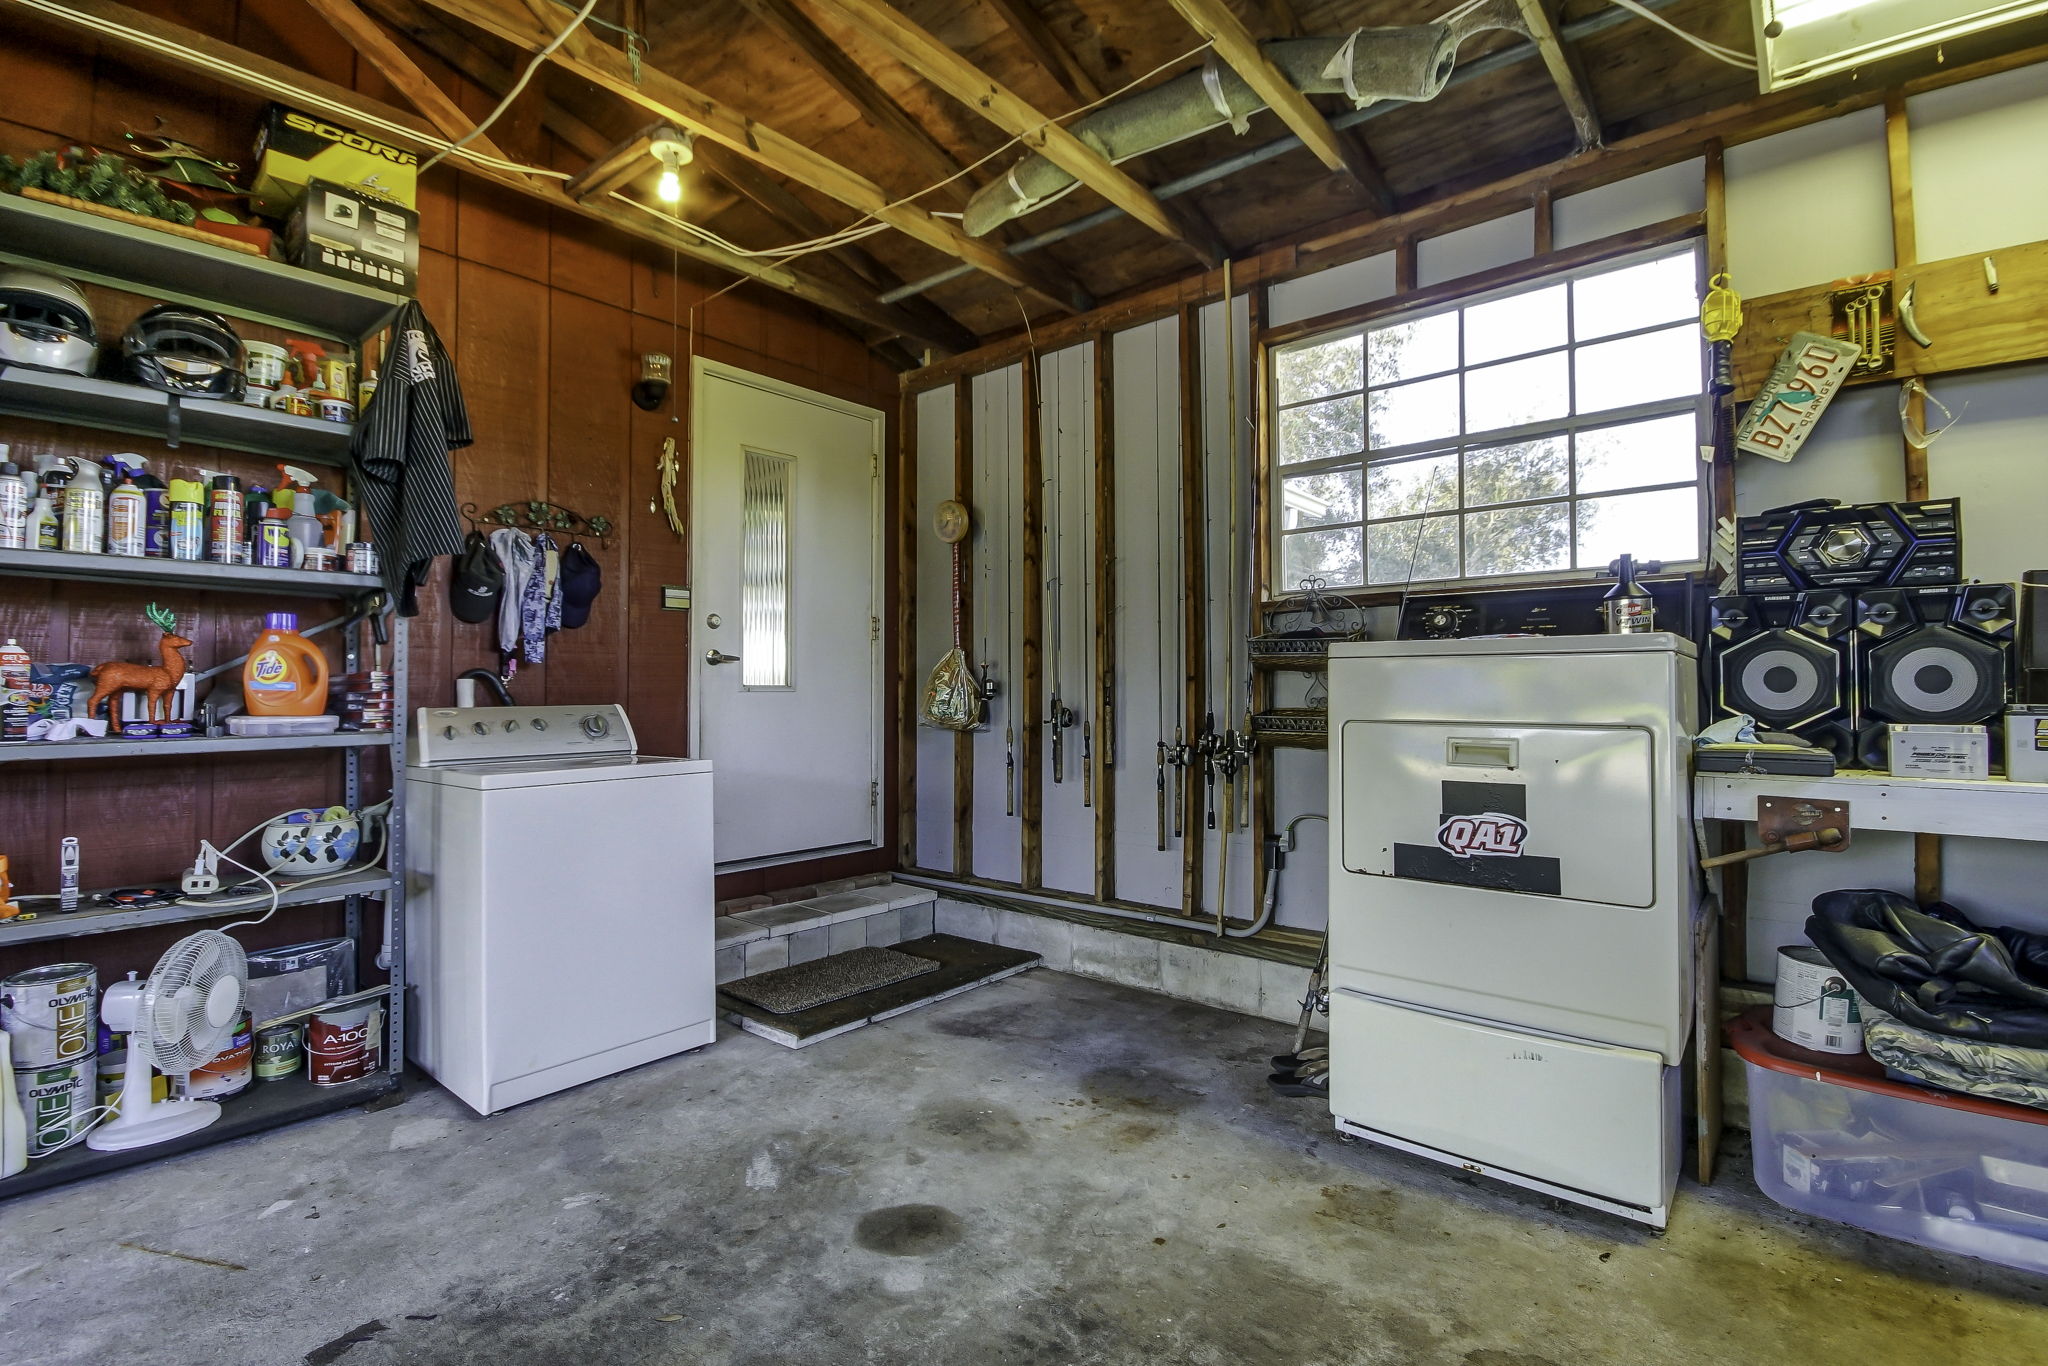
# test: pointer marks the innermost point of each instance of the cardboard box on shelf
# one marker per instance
(338, 232)
(294, 149)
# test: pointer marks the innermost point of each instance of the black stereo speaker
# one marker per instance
(1786, 659)
(1823, 544)
(1936, 656)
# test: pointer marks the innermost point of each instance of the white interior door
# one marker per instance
(786, 553)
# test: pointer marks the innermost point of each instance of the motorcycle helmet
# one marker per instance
(45, 323)
(185, 351)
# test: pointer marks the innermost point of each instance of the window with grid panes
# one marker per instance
(1537, 432)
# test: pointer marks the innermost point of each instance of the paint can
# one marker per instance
(280, 1051)
(337, 410)
(50, 1012)
(1815, 1007)
(113, 1071)
(57, 1101)
(226, 1073)
(264, 362)
(345, 1044)
(361, 557)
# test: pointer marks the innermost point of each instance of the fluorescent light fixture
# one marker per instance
(1804, 40)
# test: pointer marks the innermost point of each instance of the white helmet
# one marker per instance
(45, 323)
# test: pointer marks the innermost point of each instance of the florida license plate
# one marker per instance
(1795, 394)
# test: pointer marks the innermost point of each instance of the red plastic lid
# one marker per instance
(1750, 1035)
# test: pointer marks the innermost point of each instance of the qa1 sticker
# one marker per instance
(1490, 834)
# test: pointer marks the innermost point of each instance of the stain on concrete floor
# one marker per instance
(1047, 1172)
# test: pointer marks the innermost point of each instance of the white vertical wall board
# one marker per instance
(1635, 202)
(1227, 461)
(1996, 461)
(1066, 426)
(933, 627)
(1363, 281)
(1855, 454)
(1482, 246)
(1968, 139)
(1147, 480)
(998, 602)
(1809, 205)
(1301, 785)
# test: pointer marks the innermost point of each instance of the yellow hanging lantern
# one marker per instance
(1721, 310)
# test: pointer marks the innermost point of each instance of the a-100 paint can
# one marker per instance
(57, 1101)
(50, 1012)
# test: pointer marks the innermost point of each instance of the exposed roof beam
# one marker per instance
(1564, 69)
(692, 109)
(1047, 50)
(117, 25)
(1236, 45)
(1003, 107)
(368, 37)
(1365, 168)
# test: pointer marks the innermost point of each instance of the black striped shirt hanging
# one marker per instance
(401, 461)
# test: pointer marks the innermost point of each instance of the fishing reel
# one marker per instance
(986, 687)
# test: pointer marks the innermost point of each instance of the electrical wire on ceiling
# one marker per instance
(251, 79)
(539, 59)
(1719, 52)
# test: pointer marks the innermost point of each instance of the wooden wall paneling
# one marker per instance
(963, 741)
(1103, 700)
(654, 556)
(590, 371)
(589, 259)
(904, 512)
(1030, 710)
(1195, 597)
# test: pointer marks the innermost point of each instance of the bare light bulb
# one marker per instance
(670, 186)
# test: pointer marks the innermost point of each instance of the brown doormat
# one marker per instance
(785, 991)
(963, 965)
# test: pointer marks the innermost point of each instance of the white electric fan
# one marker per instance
(175, 1021)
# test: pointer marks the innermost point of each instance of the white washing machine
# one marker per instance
(1512, 906)
(560, 905)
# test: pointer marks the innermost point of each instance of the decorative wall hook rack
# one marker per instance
(540, 515)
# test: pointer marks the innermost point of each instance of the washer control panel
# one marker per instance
(448, 735)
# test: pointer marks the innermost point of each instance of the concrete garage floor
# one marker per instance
(1047, 1170)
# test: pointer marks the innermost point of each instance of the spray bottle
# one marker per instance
(85, 510)
(297, 495)
(186, 514)
(44, 518)
(14, 505)
(127, 509)
(225, 543)
(270, 535)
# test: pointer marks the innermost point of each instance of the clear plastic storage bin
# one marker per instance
(1836, 1138)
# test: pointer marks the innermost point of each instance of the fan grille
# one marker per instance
(174, 1003)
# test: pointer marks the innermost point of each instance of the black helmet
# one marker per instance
(184, 350)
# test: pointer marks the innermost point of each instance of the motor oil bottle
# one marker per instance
(286, 675)
(14, 506)
(186, 516)
(1628, 608)
(127, 511)
(85, 511)
(225, 543)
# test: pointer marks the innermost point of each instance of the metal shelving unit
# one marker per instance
(199, 574)
(143, 260)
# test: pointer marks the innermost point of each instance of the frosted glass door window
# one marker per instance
(765, 496)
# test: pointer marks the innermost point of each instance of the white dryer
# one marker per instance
(1512, 906)
(560, 905)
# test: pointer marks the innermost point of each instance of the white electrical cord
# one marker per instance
(539, 59)
(1720, 53)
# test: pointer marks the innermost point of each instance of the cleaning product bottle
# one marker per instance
(306, 531)
(270, 536)
(43, 514)
(127, 510)
(156, 535)
(16, 712)
(85, 510)
(225, 543)
(186, 514)
(14, 505)
(13, 1122)
(286, 675)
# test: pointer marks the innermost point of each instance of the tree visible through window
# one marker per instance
(1538, 432)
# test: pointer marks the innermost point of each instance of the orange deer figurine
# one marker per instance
(157, 681)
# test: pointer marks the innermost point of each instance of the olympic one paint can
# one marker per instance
(57, 1101)
(50, 1012)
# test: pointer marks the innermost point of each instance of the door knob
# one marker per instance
(719, 657)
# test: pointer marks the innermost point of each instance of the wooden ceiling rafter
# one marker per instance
(369, 38)
(890, 30)
(694, 111)
(161, 42)
(1237, 46)
(1023, 19)
(1565, 71)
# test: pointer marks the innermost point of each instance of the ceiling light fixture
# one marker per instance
(674, 150)
(1804, 40)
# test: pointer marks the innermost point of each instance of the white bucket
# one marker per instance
(1815, 1007)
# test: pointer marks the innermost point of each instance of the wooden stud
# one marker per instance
(1734, 900)
(618, 164)
(1031, 686)
(1543, 240)
(1404, 266)
(907, 682)
(963, 741)
(1905, 254)
(889, 29)
(1563, 65)
(1717, 261)
(1105, 681)
(1927, 868)
(1259, 772)
(1194, 600)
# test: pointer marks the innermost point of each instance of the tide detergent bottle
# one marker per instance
(286, 674)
